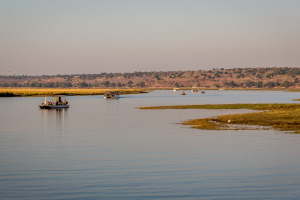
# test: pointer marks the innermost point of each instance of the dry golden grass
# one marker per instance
(204, 124)
(61, 91)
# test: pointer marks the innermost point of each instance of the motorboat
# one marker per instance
(111, 94)
(57, 104)
(176, 89)
(194, 89)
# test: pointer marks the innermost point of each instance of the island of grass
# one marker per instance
(25, 92)
(282, 117)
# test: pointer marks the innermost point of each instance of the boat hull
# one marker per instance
(53, 107)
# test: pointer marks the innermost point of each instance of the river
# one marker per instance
(108, 149)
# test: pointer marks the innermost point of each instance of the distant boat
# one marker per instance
(176, 89)
(111, 94)
(221, 89)
(194, 89)
(182, 93)
(202, 91)
(57, 104)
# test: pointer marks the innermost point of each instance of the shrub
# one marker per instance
(82, 84)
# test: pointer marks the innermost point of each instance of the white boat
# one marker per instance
(176, 89)
(111, 94)
(57, 104)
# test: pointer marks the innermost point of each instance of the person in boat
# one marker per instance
(65, 102)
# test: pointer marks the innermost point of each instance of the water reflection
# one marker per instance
(55, 119)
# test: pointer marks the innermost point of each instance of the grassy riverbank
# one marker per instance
(260, 106)
(25, 92)
(282, 117)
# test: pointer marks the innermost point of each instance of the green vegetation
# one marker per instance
(11, 92)
(282, 117)
(236, 78)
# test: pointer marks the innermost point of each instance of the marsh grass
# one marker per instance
(24, 92)
(282, 120)
(282, 117)
(229, 106)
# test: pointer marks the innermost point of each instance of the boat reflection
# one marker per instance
(55, 119)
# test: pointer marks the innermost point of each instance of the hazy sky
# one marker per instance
(71, 36)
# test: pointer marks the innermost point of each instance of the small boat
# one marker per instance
(202, 91)
(57, 104)
(183, 93)
(111, 94)
(176, 89)
(194, 89)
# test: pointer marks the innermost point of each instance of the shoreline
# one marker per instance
(37, 92)
(34, 92)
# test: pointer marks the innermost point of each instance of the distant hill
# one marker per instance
(283, 77)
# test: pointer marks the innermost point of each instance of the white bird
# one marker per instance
(229, 121)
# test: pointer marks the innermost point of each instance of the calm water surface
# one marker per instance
(108, 149)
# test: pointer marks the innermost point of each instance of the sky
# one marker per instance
(52, 37)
